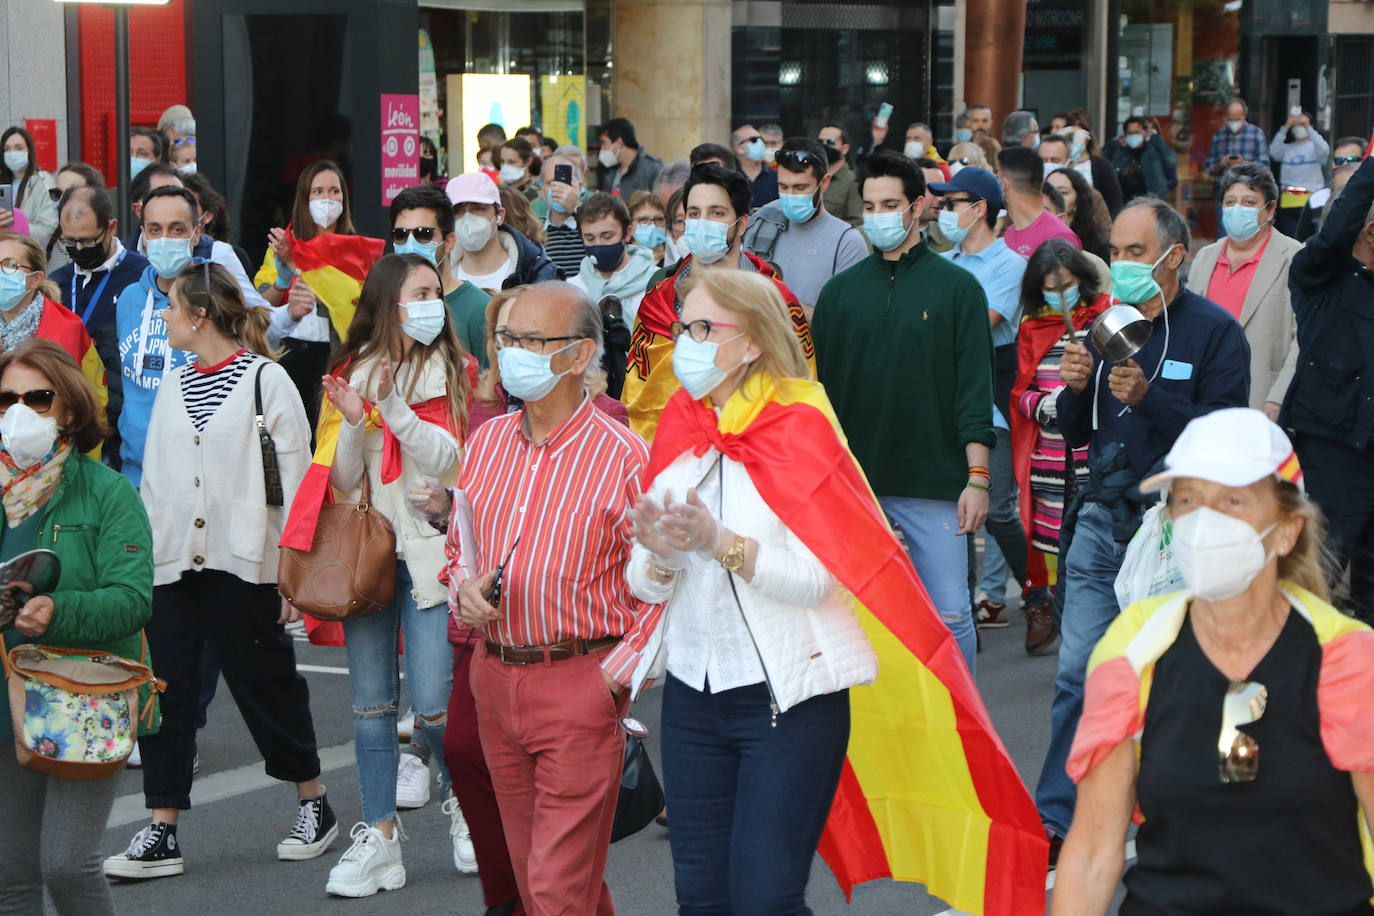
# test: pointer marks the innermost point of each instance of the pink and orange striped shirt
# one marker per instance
(565, 507)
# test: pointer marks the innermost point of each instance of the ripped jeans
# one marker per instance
(941, 560)
(374, 672)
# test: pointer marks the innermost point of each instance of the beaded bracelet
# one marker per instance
(978, 486)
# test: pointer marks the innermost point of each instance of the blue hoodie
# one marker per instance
(142, 365)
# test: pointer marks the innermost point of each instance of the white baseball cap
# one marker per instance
(472, 188)
(1233, 447)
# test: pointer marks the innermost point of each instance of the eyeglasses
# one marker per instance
(184, 141)
(39, 399)
(11, 266)
(796, 160)
(658, 221)
(423, 234)
(1237, 752)
(951, 203)
(698, 330)
(531, 342)
(748, 140)
(1346, 160)
(828, 141)
(85, 243)
(678, 224)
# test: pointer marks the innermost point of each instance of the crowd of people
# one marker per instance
(607, 406)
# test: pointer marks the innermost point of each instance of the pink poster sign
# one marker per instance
(400, 144)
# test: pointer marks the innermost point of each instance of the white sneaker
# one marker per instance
(371, 864)
(405, 725)
(464, 856)
(412, 782)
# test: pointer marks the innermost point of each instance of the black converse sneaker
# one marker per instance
(315, 828)
(153, 853)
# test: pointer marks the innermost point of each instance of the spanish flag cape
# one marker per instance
(334, 266)
(315, 491)
(64, 327)
(928, 793)
(1122, 667)
(649, 381)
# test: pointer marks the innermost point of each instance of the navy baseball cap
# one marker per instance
(979, 182)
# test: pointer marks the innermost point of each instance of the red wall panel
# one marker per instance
(157, 73)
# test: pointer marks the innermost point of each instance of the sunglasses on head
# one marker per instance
(796, 160)
(423, 234)
(39, 399)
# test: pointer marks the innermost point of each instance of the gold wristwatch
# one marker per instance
(732, 561)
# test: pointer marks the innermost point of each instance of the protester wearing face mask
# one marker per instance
(555, 206)
(1143, 161)
(146, 147)
(49, 415)
(751, 153)
(490, 254)
(320, 235)
(1302, 153)
(1030, 223)
(1195, 361)
(614, 265)
(925, 455)
(841, 196)
(215, 529)
(28, 183)
(422, 223)
(773, 136)
(717, 218)
(808, 244)
(1085, 211)
(397, 388)
(431, 171)
(650, 219)
(1246, 273)
(516, 159)
(1238, 141)
(1252, 647)
(182, 155)
(623, 167)
(675, 248)
(1075, 150)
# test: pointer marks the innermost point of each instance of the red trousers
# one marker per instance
(554, 747)
(472, 784)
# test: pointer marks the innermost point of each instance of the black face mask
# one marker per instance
(428, 165)
(88, 258)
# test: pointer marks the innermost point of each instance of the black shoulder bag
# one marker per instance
(271, 473)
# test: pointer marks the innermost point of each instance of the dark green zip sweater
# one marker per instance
(904, 351)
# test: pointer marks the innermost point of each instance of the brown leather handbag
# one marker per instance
(349, 570)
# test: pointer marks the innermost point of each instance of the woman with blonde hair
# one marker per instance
(1233, 716)
(217, 511)
(962, 155)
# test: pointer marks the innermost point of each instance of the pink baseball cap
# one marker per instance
(472, 188)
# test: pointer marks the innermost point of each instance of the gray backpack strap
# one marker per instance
(766, 226)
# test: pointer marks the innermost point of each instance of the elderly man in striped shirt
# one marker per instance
(551, 489)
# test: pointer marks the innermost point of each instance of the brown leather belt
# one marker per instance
(555, 652)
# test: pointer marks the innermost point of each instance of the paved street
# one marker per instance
(229, 837)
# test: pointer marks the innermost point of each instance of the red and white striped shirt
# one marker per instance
(565, 506)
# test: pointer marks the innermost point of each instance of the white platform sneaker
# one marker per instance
(464, 855)
(371, 864)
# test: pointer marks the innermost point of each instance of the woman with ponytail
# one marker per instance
(217, 507)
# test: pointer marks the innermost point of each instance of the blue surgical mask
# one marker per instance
(963, 135)
(694, 364)
(950, 228)
(1133, 282)
(526, 374)
(554, 205)
(168, 256)
(16, 160)
(1075, 150)
(798, 207)
(424, 319)
(885, 230)
(606, 258)
(1062, 302)
(13, 286)
(426, 250)
(136, 166)
(755, 149)
(707, 239)
(650, 236)
(1135, 141)
(1240, 223)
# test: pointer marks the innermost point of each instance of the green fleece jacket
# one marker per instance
(905, 353)
(96, 524)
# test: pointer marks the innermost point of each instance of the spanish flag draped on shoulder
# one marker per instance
(334, 266)
(649, 379)
(928, 793)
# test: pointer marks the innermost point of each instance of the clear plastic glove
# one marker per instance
(646, 515)
(429, 500)
(690, 527)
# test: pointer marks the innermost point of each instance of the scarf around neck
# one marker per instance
(23, 490)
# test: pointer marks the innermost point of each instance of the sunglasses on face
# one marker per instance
(423, 234)
(1237, 752)
(1347, 160)
(38, 400)
(698, 330)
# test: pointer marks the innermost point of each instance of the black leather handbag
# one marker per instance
(641, 796)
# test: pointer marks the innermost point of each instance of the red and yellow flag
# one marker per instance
(928, 793)
(334, 266)
(63, 327)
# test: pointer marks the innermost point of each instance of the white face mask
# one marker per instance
(608, 158)
(325, 211)
(27, 436)
(1219, 555)
(474, 231)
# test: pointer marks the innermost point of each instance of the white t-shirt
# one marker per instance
(490, 281)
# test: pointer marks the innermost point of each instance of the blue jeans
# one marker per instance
(1089, 575)
(374, 673)
(941, 560)
(748, 801)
